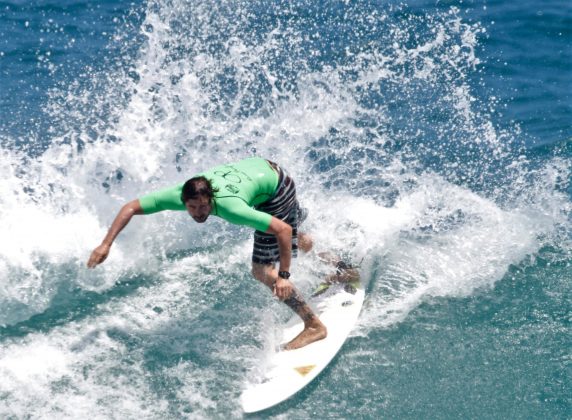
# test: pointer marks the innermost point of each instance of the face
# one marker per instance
(199, 208)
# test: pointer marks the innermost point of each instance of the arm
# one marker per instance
(283, 231)
(100, 253)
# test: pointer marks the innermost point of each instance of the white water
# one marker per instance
(419, 235)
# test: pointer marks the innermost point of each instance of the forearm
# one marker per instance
(283, 233)
(121, 220)
(285, 248)
(100, 253)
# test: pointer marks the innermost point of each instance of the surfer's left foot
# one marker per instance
(314, 330)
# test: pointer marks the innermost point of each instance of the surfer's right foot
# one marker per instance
(314, 330)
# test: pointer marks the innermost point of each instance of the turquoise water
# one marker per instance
(430, 140)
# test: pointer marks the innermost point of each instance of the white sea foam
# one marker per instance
(419, 230)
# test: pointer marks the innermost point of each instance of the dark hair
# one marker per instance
(197, 186)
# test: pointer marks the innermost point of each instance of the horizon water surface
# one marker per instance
(430, 140)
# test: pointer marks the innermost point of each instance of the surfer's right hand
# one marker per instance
(98, 255)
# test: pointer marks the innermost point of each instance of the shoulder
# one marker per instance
(168, 198)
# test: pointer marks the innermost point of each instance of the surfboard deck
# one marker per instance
(288, 371)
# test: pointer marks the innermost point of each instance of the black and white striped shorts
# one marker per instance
(285, 207)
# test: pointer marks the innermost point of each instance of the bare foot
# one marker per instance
(345, 272)
(313, 331)
(343, 275)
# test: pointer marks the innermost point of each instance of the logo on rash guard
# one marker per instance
(233, 189)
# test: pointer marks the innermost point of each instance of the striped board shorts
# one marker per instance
(285, 207)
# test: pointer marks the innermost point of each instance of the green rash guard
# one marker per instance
(241, 186)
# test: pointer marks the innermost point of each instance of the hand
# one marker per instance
(98, 255)
(283, 288)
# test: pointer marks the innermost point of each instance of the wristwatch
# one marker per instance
(284, 274)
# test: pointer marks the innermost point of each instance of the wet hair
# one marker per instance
(199, 186)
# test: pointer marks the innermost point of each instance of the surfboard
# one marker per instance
(288, 371)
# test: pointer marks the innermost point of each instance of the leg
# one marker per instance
(266, 253)
(314, 330)
(305, 243)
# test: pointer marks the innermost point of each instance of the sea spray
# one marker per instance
(375, 111)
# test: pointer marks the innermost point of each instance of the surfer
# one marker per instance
(253, 192)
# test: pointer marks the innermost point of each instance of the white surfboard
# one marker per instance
(291, 370)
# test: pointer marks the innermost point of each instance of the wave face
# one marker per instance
(396, 123)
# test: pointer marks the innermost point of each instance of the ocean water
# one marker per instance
(430, 140)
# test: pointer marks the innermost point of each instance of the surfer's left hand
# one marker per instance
(283, 288)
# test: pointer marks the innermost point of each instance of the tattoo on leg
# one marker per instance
(297, 304)
(294, 302)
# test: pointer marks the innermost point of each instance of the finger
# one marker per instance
(90, 262)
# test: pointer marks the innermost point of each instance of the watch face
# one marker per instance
(284, 274)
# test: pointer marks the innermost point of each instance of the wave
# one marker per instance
(373, 110)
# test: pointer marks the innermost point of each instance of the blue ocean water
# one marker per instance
(430, 140)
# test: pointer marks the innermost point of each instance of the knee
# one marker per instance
(305, 243)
